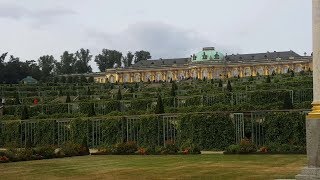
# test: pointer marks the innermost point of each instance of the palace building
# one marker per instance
(209, 64)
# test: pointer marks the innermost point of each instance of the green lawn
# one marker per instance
(158, 167)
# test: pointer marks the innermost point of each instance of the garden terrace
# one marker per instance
(247, 94)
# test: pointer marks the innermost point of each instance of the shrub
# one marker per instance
(233, 149)
(125, 148)
(191, 150)
(46, 151)
(4, 159)
(170, 148)
(71, 149)
(246, 146)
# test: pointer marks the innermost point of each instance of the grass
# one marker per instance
(158, 167)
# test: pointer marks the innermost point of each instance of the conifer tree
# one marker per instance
(159, 108)
(68, 99)
(251, 78)
(229, 87)
(268, 80)
(119, 95)
(91, 111)
(220, 83)
(24, 113)
(17, 100)
(287, 101)
(292, 73)
(174, 87)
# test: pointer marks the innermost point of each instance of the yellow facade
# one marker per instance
(202, 71)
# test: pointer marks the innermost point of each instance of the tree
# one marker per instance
(91, 111)
(251, 78)
(89, 92)
(292, 73)
(268, 80)
(68, 99)
(46, 64)
(63, 79)
(108, 59)
(141, 56)
(55, 79)
(69, 79)
(287, 101)
(2, 66)
(220, 83)
(83, 79)
(17, 99)
(83, 58)
(174, 88)
(24, 113)
(91, 79)
(127, 61)
(159, 107)
(119, 96)
(66, 65)
(229, 87)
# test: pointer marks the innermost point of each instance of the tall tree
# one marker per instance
(229, 87)
(108, 59)
(127, 61)
(141, 56)
(46, 64)
(159, 107)
(2, 66)
(83, 57)
(66, 65)
(119, 95)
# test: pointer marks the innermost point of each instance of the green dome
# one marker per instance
(207, 54)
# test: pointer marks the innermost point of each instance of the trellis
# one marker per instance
(238, 120)
(257, 128)
(1, 132)
(239, 98)
(96, 133)
(169, 130)
(132, 129)
(27, 133)
(63, 131)
(303, 95)
(181, 102)
(209, 100)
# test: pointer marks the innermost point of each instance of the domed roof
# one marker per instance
(207, 54)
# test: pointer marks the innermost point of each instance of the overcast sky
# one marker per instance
(166, 28)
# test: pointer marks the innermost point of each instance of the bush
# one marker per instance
(125, 148)
(170, 148)
(72, 149)
(46, 151)
(245, 147)
(233, 149)
(4, 159)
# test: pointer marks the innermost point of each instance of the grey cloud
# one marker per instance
(17, 12)
(162, 40)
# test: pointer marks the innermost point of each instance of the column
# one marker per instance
(312, 171)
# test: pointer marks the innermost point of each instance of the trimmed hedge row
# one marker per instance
(207, 131)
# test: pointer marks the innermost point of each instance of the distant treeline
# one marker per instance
(12, 70)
